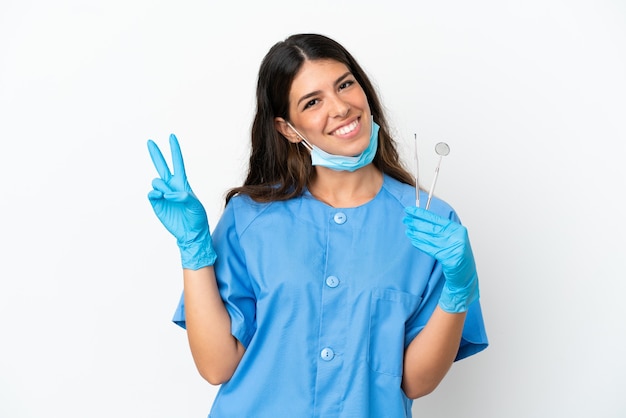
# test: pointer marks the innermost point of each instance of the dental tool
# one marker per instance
(417, 175)
(442, 149)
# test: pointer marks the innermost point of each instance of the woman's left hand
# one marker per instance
(448, 242)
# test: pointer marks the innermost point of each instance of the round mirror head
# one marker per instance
(442, 149)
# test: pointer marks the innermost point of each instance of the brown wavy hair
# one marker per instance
(279, 169)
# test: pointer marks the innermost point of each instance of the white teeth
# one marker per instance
(347, 129)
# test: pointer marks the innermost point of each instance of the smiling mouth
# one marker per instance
(344, 130)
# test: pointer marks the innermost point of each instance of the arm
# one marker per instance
(215, 351)
(431, 353)
(429, 356)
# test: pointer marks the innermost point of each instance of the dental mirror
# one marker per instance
(442, 149)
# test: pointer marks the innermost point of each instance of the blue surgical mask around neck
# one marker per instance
(321, 158)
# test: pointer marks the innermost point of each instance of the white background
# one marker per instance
(530, 95)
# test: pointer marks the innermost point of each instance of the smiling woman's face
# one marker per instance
(329, 108)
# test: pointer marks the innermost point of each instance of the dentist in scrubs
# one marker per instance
(323, 290)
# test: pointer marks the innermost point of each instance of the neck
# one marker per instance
(346, 189)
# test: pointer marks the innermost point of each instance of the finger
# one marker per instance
(178, 197)
(177, 157)
(422, 238)
(420, 225)
(426, 246)
(161, 186)
(155, 195)
(426, 216)
(159, 161)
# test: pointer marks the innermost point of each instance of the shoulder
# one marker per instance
(242, 210)
(402, 192)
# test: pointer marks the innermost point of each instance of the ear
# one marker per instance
(281, 126)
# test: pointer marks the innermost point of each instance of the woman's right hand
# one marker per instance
(448, 242)
(179, 210)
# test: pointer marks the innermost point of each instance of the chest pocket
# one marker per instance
(390, 309)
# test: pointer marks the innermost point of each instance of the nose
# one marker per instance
(339, 108)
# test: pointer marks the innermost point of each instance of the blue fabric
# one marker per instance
(325, 301)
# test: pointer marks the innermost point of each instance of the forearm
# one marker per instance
(215, 351)
(429, 356)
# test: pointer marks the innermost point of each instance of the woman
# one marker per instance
(323, 292)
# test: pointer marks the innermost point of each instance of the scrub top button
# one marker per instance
(340, 218)
(327, 354)
(332, 281)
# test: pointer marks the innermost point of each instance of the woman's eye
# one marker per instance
(346, 84)
(310, 103)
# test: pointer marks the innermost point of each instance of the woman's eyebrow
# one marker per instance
(340, 79)
(316, 92)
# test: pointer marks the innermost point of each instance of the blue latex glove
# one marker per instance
(179, 210)
(447, 241)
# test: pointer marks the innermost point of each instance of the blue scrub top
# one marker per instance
(325, 300)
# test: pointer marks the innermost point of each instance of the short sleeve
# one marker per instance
(474, 338)
(179, 315)
(232, 279)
